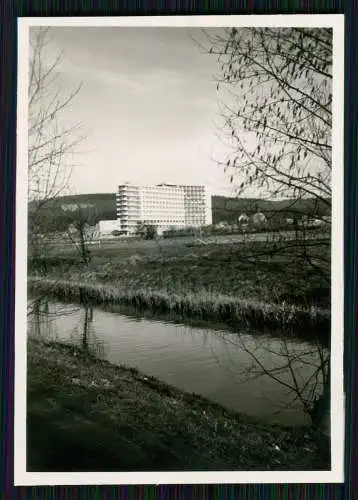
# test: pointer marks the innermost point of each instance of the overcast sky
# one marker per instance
(148, 103)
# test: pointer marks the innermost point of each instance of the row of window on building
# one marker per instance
(163, 205)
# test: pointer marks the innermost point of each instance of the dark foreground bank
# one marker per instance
(88, 415)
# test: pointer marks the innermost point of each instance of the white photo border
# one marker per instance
(336, 474)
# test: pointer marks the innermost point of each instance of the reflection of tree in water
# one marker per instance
(302, 369)
(88, 342)
(34, 318)
(39, 309)
(44, 318)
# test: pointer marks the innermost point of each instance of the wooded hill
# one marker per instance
(224, 209)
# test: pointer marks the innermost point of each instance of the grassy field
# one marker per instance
(243, 270)
(135, 243)
(87, 415)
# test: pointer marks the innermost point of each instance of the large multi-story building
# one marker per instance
(163, 206)
(197, 204)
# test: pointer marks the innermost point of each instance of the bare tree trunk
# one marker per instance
(36, 315)
(84, 250)
(85, 330)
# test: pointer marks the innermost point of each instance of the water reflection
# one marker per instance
(302, 370)
(44, 322)
(279, 379)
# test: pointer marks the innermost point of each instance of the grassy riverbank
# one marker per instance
(87, 415)
(215, 282)
(204, 305)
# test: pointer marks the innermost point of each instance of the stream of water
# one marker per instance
(247, 371)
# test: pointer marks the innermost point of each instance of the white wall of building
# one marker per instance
(164, 206)
(106, 227)
(208, 207)
(128, 207)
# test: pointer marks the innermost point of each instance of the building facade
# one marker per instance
(197, 205)
(164, 206)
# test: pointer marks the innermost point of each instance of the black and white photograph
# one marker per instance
(179, 281)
